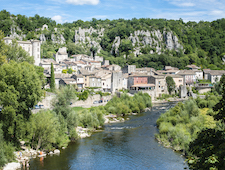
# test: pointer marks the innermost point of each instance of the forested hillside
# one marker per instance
(144, 42)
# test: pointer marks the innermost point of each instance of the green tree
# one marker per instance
(170, 84)
(3, 49)
(52, 80)
(2, 151)
(220, 107)
(16, 53)
(20, 90)
(208, 150)
(125, 46)
(63, 99)
(46, 128)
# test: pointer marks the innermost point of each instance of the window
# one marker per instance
(180, 80)
(38, 49)
(103, 84)
(159, 82)
(93, 79)
(77, 79)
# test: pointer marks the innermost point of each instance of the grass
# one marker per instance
(77, 109)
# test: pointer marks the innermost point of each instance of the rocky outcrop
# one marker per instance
(158, 41)
(171, 41)
(42, 38)
(115, 45)
(58, 38)
(155, 39)
(91, 37)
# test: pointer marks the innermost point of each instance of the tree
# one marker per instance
(220, 107)
(20, 90)
(2, 154)
(16, 53)
(207, 150)
(63, 99)
(46, 129)
(126, 46)
(3, 49)
(52, 81)
(170, 84)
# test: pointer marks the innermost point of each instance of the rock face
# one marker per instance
(156, 40)
(58, 38)
(171, 41)
(90, 36)
(42, 38)
(115, 46)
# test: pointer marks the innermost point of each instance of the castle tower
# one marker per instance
(36, 51)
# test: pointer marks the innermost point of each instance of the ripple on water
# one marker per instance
(126, 145)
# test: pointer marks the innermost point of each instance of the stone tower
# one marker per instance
(36, 51)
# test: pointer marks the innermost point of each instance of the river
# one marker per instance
(127, 145)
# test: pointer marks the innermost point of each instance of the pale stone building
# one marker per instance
(33, 47)
(61, 55)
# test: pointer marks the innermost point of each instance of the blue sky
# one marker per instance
(71, 10)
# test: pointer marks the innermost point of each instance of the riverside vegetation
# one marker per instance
(196, 128)
(55, 128)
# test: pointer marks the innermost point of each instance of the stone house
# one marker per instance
(116, 81)
(160, 84)
(206, 74)
(169, 70)
(215, 75)
(61, 54)
(60, 76)
(33, 47)
(129, 69)
(95, 81)
(113, 67)
(106, 82)
(189, 76)
(193, 67)
(46, 63)
(178, 79)
(67, 81)
(79, 80)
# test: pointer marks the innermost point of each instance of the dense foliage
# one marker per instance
(170, 84)
(180, 125)
(20, 90)
(196, 128)
(124, 104)
(207, 150)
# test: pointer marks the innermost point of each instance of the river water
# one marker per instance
(127, 145)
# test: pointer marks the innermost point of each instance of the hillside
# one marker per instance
(144, 42)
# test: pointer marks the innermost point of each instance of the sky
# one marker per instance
(72, 10)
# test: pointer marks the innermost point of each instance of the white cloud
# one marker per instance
(217, 12)
(83, 2)
(186, 4)
(57, 18)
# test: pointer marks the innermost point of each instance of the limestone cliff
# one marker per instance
(155, 39)
(91, 37)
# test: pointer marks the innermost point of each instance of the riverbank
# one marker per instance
(118, 146)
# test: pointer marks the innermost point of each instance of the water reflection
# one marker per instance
(127, 145)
